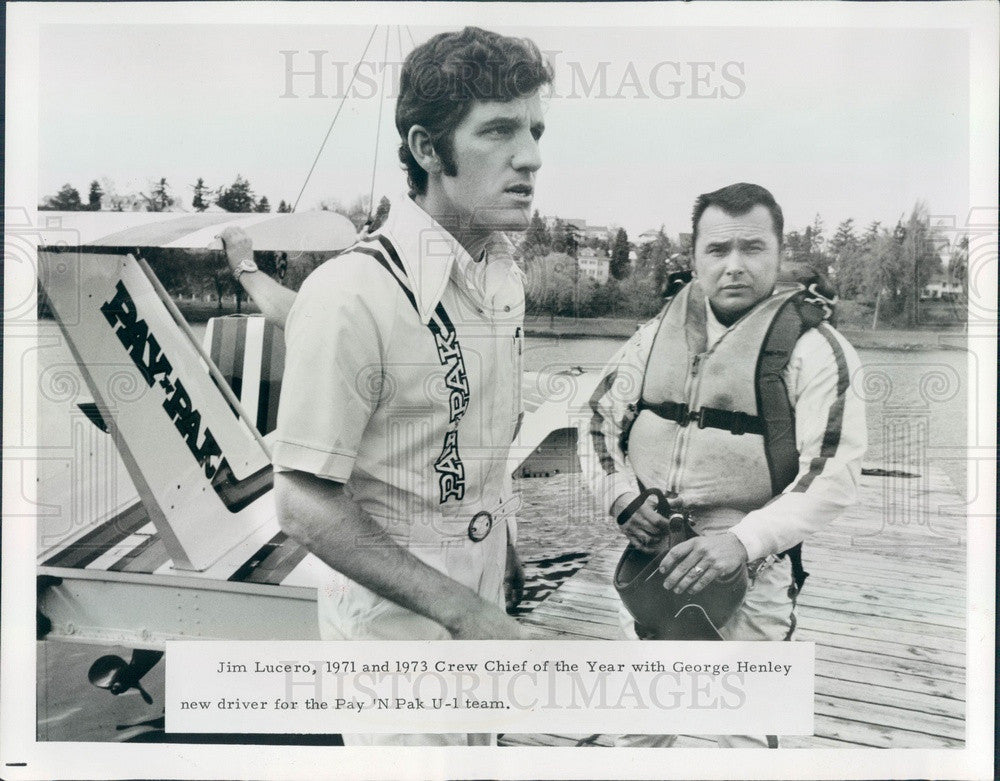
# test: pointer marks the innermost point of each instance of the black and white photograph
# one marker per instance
(602, 379)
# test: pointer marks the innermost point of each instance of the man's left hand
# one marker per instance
(694, 563)
(513, 579)
(237, 245)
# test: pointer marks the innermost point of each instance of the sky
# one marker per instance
(856, 123)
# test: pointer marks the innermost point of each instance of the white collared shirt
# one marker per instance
(402, 375)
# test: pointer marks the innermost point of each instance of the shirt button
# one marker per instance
(506, 309)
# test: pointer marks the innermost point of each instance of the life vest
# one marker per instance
(714, 427)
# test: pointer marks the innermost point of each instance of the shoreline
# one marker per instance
(895, 339)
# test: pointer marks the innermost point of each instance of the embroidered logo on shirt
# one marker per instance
(449, 466)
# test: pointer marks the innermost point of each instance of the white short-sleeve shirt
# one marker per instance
(402, 376)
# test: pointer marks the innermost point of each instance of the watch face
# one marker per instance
(247, 265)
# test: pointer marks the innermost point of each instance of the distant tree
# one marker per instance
(284, 208)
(659, 258)
(639, 294)
(921, 260)
(958, 264)
(94, 198)
(571, 238)
(549, 288)
(159, 198)
(797, 245)
(537, 240)
(619, 255)
(558, 236)
(263, 205)
(815, 235)
(238, 197)
(846, 257)
(871, 234)
(66, 200)
(201, 194)
(843, 238)
(222, 279)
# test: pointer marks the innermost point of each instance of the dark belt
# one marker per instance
(706, 417)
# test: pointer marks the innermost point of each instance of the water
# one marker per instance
(914, 399)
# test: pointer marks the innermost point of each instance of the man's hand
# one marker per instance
(646, 527)
(693, 564)
(489, 623)
(237, 245)
(513, 579)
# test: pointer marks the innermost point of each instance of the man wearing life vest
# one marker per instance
(734, 404)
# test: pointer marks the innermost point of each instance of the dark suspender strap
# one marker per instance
(636, 503)
(799, 573)
(706, 417)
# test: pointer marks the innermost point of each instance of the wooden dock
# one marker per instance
(885, 605)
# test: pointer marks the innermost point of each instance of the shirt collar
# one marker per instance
(427, 250)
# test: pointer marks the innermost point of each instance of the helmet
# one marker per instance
(663, 615)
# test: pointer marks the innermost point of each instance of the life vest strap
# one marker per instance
(799, 573)
(737, 423)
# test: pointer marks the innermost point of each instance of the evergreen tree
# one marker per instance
(200, 200)
(263, 205)
(816, 240)
(844, 238)
(66, 200)
(571, 238)
(558, 236)
(238, 197)
(94, 198)
(159, 198)
(284, 208)
(536, 238)
(619, 255)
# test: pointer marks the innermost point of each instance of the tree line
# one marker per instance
(104, 196)
(882, 270)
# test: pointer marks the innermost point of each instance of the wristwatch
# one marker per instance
(245, 266)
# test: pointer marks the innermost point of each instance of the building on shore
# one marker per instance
(595, 264)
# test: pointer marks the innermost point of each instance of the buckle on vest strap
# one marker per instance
(738, 423)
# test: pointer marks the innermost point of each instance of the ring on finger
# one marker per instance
(698, 570)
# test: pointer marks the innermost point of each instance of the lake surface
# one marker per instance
(916, 401)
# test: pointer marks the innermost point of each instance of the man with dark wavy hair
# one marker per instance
(399, 398)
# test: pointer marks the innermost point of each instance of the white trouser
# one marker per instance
(349, 611)
(766, 614)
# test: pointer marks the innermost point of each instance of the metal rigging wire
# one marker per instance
(334, 121)
(378, 128)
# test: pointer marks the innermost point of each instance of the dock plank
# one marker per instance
(885, 606)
